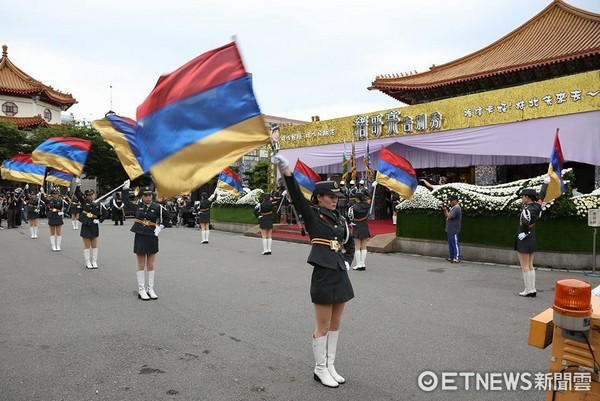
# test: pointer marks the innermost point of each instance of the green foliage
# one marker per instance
(11, 141)
(258, 177)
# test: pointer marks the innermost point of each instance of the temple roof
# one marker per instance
(560, 40)
(15, 82)
(25, 122)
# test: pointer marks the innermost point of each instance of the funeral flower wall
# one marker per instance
(250, 197)
(502, 199)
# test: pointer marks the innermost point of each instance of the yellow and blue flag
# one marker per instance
(306, 178)
(119, 132)
(22, 168)
(61, 178)
(198, 120)
(230, 182)
(556, 186)
(66, 154)
(396, 173)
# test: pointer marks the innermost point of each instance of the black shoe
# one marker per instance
(531, 295)
(361, 268)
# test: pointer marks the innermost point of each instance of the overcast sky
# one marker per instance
(307, 57)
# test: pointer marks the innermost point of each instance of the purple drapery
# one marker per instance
(524, 142)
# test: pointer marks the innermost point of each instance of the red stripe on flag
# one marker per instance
(206, 71)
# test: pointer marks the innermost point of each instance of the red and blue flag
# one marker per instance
(556, 186)
(119, 132)
(198, 120)
(396, 173)
(306, 178)
(22, 168)
(66, 154)
(230, 182)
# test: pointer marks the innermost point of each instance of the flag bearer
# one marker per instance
(92, 214)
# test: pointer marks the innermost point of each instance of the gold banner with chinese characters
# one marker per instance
(554, 97)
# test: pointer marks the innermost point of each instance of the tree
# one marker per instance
(11, 140)
(258, 176)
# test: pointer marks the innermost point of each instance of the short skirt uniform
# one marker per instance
(361, 230)
(32, 214)
(527, 244)
(55, 221)
(145, 244)
(89, 230)
(328, 286)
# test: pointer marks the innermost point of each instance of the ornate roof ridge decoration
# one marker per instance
(15, 81)
(559, 40)
(25, 122)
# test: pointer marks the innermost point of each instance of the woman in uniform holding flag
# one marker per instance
(148, 222)
(34, 204)
(56, 212)
(204, 216)
(74, 211)
(264, 212)
(92, 214)
(359, 214)
(331, 253)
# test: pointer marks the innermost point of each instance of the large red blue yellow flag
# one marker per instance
(66, 154)
(230, 182)
(306, 178)
(198, 120)
(119, 132)
(61, 178)
(556, 186)
(22, 168)
(396, 173)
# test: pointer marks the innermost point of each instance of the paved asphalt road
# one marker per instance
(232, 324)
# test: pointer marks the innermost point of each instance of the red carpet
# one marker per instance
(291, 232)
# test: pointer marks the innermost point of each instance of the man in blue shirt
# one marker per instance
(453, 221)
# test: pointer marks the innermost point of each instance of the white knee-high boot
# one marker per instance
(269, 242)
(203, 236)
(207, 232)
(332, 340)
(394, 219)
(86, 257)
(95, 258)
(35, 231)
(526, 281)
(32, 232)
(151, 292)
(364, 257)
(264, 244)
(532, 281)
(58, 241)
(142, 294)
(53, 242)
(357, 257)
(321, 373)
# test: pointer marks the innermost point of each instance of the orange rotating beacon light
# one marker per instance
(572, 326)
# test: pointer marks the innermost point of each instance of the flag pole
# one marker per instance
(108, 193)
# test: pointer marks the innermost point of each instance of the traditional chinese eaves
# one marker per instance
(15, 82)
(560, 40)
(25, 122)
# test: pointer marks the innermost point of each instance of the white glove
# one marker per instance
(522, 236)
(158, 229)
(347, 265)
(78, 181)
(126, 184)
(96, 221)
(41, 190)
(61, 214)
(212, 197)
(374, 184)
(547, 179)
(281, 161)
(26, 186)
(37, 210)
